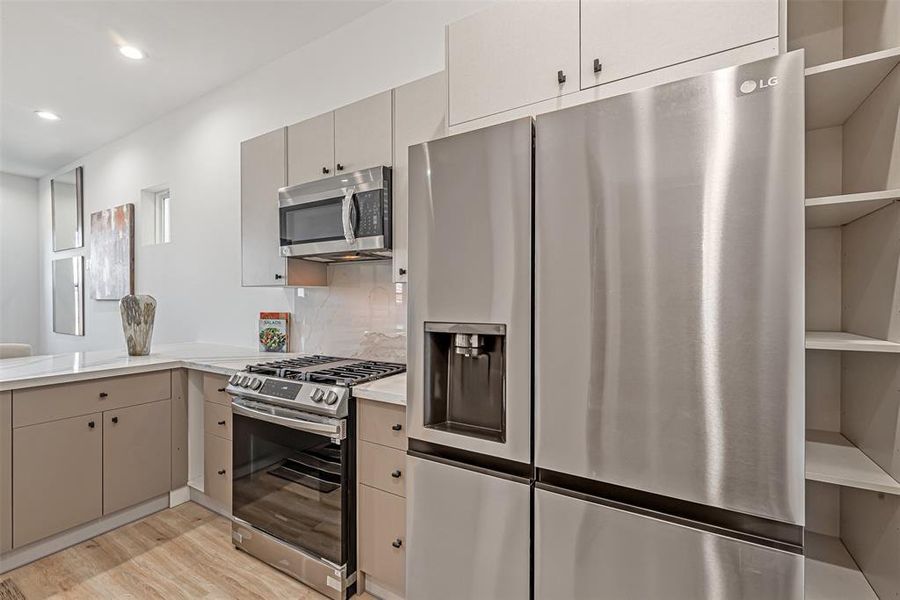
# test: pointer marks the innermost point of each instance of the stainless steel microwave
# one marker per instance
(342, 218)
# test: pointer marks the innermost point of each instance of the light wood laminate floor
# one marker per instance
(181, 552)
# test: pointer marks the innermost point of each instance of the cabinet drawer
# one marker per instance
(43, 404)
(217, 419)
(214, 388)
(217, 469)
(57, 476)
(382, 467)
(382, 423)
(382, 537)
(136, 454)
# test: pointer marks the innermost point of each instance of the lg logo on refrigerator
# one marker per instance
(751, 85)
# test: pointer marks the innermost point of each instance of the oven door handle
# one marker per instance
(333, 430)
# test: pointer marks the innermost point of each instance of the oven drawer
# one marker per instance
(382, 537)
(214, 388)
(382, 423)
(217, 419)
(217, 469)
(53, 402)
(382, 467)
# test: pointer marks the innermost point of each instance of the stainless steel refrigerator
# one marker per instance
(642, 257)
(669, 340)
(469, 464)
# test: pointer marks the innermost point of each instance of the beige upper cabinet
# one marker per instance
(263, 172)
(622, 38)
(363, 134)
(136, 454)
(57, 476)
(310, 149)
(510, 55)
(420, 115)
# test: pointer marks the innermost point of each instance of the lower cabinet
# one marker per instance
(217, 469)
(57, 476)
(382, 537)
(136, 454)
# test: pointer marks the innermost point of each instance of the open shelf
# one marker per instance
(831, 573)
(832, 211)
(850, 342)
(831, 458)
(836, 89)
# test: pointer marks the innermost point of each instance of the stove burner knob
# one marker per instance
(235, 377)
(255, 383)
(245, 381)
(331, 398)
(317, 395)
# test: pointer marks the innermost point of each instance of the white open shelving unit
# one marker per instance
(852, 50)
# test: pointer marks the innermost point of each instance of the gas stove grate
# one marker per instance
(302, 369)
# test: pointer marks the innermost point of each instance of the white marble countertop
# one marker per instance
(391, 390)
(48, 369)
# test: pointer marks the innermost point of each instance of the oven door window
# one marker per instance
(312, 222)
(290, 484)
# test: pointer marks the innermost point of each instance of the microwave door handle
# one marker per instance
(335, 431)
(348, 210)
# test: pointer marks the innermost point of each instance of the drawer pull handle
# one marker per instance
(598, 66)
(325, 170)
(397, 543)
(339, 167)
(221, 471)
(397, 427)
(103, 394)
(221, 422)
(396, 474)
(115, 419)
(91, 424)
(221, 389)
(560, 77)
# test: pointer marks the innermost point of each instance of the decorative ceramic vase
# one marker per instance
(138, 313)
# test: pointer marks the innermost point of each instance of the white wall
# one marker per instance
(196, 278)
(19, 289)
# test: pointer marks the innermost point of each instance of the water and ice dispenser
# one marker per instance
(465, 384)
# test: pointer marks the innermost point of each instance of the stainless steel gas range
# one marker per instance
(294, 464)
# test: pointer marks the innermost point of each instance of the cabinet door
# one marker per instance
(310, 150)
(136, 454)
(263, 172)
(363, 134)
(382, 537)
(57, 476)
(629, 37)
(5, 471)
(217, 469)
(510, 55)
(420, 115)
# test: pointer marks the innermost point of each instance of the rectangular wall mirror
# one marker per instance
(66, 203)
(68, 295)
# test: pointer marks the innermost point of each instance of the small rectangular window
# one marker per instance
(163, 217)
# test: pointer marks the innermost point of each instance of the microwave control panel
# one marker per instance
(371, 213)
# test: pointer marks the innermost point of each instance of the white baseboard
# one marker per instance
(32, 552)
(179, 496)
(375, 588)
(207, 502)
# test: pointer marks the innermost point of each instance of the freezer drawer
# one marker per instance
(467, 534)
(669, 333)
(586, 550)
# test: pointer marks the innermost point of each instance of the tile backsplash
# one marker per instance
(361, 314)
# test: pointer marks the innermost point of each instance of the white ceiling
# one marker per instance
(62, 56)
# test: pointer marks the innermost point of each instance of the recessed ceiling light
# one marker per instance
(131, 52)
(46, 114)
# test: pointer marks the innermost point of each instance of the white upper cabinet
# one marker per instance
(510, 55)
(622, 38)
(262, 173)
(420, 115)
(310, 149)
(362, 134)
